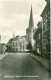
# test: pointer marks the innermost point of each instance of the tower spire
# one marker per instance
(31, 23)
(13, 34)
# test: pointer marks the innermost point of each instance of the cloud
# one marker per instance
(14, 16)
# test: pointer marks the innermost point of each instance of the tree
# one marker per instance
(29, 47)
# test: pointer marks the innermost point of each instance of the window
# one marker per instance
(48, 23)
(39, 35)
(48, 12)
(16, 44)
(13, 43)
(44, 27)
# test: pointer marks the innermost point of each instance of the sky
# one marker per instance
(15, 14)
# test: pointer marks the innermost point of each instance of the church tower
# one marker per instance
(30, 29)
(31, 23)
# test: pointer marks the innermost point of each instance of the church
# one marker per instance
(30, 29)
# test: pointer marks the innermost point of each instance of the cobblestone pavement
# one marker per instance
(21, 66)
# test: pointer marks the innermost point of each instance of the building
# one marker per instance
(2, 48)
(30, 29)
(17, 44)
(34, 45)
(46, 28)
(23, 43)
(38, 38)
(50, 39)
(9, 45)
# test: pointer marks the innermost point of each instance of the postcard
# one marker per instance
(25, 40)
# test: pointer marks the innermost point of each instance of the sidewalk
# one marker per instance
(2, 56)
(43, 61)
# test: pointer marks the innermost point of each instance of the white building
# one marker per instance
(17, 44)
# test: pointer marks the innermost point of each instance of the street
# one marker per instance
(21, 66)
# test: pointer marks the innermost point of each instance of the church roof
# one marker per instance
(31, 23)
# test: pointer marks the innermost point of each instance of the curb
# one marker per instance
(41, 63)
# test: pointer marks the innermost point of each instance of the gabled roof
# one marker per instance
(10, 40)
(44, 10)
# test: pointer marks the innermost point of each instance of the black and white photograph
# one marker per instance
(25, 40)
